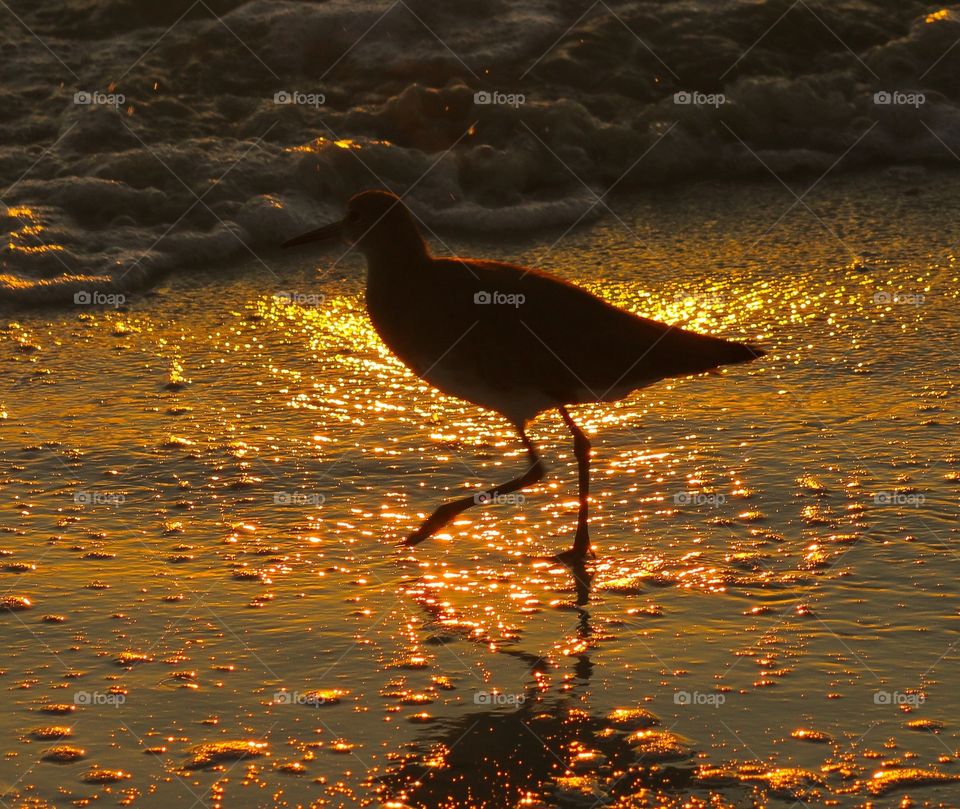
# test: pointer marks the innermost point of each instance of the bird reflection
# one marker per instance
(582, 575)
(547, 747)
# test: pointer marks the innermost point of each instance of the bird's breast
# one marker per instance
(436, 339)
(402, 321)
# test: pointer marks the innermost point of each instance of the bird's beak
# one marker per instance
(331, 231)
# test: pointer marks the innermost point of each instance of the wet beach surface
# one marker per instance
(203, 601)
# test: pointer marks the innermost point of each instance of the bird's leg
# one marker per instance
(448, 511)
(581, 448)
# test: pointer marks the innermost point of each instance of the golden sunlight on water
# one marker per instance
(28, 230)
(318, 145)
(204, 600)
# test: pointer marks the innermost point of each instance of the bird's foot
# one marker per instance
(581, 550)
(414, 539)
(432, 524)
(418, 536)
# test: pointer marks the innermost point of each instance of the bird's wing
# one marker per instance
(538, 331)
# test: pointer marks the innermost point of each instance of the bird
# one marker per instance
(512, 339)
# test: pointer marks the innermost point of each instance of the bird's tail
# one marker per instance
(735, 352)
(692, 353)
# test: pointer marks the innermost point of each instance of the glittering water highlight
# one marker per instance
(203, 601)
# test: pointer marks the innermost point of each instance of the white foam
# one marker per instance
(111, 192)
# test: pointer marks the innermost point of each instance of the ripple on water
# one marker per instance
(341, 746)
(11, 603)
(414, 698)
(790, 783)
(325, 696)
(926, 725)
(813, 736)
(131, 658)
(51, 732)
(579, 790)
(212, 753)
(57, 708)
(291, 767)
(20, 567)
(63, 754)
(884, 782)
(632, 718)
(100, 775)
(659, 745)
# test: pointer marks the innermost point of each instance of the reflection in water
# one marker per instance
(582, 576)
(549, 748)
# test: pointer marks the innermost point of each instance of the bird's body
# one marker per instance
(519, 342)
(508, 338)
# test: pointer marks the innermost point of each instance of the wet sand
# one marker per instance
(203, 602)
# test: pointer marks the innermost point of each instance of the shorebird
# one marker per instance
(511, 339)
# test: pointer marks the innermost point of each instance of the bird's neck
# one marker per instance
(402, 254)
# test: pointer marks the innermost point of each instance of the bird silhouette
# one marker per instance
(511, 339)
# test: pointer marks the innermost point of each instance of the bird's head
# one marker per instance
(374, 220)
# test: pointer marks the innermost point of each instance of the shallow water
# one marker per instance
(204, 491)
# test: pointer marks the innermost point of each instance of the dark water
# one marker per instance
(139, 138)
